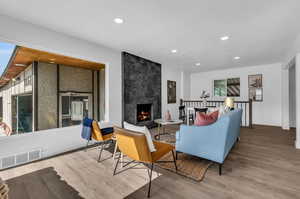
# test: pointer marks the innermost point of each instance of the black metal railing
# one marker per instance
(246, 106)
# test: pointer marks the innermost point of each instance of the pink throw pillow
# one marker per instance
(203, 119)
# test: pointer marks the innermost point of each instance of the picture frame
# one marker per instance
(171, 91)
(233, 87)
(256, 94)
(255, 87)
(255, 81)
(229, 87)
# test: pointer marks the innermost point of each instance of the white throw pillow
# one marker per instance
(144, 130)
(103, 125)
(223, 110)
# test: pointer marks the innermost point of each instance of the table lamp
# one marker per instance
(229, 102)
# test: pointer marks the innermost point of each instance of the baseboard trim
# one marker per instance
(297, 145)
(266, 125)
(286, 128)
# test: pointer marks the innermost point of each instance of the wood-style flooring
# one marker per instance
(264, 164)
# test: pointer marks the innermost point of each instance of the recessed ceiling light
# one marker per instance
(118, 20)
(224, 38)
(198, 64)
(174, 51)
(52, 62)
(20, 65)
(236, 58)
(52, 59)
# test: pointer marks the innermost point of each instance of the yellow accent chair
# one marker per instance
(103, 139)
(3, 190)
(135, 146)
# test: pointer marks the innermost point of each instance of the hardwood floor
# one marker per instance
(264, 164)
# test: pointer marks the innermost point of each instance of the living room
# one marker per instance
(217, 41)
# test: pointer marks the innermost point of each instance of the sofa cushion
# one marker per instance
(206, 119)
(144, 130)
(223, 110)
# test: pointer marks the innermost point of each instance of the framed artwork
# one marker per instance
(255, 85)
(171, 92)
(227, 87)
(220, 88)
(255, 81)
(233, 87)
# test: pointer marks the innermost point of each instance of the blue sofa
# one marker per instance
(212, 142)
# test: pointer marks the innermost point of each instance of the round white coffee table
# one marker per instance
(162, 124)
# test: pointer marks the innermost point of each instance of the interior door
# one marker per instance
(74, 107)
(25, 113)
(21, 114)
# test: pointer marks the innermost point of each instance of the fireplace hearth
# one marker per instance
(143, 112)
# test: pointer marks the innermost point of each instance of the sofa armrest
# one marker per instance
(177, 136)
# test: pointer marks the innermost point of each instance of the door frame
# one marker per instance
(87, 94)
(17, 111)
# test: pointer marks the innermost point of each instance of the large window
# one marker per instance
(220, 88)
(227, 87)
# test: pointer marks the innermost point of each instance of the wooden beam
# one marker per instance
(98, 95)
(57, 93)
(35, 94)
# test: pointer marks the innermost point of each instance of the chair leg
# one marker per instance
(100, 153)
(115, 151)
(176, 155)
(220, 169)
(150, 176)
(87, 144)
(117, 164)
(174, 159)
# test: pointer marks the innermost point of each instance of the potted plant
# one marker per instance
(204, 95)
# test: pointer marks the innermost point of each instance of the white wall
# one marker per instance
(267, 112)
(170, 73)
(297, 143)
(185, 85)
(53, 141)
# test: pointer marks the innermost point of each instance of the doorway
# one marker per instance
(21, 114)
(292, 96)
(74, 107)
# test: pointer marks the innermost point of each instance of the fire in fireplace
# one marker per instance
(143, 112)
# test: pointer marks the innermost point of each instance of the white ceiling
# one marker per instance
(260, 31)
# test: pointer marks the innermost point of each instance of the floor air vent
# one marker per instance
(19, 159)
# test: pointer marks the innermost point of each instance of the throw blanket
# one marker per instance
(107, 131)
(86, 132)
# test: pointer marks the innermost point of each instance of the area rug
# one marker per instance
(189, 166)
(41, 184)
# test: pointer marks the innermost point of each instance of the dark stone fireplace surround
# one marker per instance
(141, 79)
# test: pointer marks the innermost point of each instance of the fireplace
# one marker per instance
(143, 112)
(141, 79)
